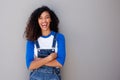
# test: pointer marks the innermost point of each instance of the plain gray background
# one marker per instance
(91, 28)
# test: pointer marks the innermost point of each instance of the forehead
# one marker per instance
(45, 13)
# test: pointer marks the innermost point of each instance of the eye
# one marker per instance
(47, 17)
(40, 17)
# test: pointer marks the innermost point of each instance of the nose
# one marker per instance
(43, 20)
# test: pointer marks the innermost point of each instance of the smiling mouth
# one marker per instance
(44, 25)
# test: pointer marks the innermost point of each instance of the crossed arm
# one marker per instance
(48, 61)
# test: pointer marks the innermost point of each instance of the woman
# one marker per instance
(45, 47)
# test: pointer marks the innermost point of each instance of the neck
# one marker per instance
(45, 33)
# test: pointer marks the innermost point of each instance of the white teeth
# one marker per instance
(44, 24)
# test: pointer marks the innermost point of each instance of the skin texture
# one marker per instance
(44, 22)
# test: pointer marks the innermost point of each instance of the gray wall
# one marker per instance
(91, 28)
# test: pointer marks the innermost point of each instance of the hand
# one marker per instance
(52, 56)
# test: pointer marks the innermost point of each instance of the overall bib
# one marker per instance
(45, 72)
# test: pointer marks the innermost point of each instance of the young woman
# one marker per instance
(45, 47)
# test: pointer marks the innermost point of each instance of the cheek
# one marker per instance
(49, 21)
(39, 22)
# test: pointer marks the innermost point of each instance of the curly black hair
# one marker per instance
(33, 30)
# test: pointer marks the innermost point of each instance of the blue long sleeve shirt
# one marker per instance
(46, 43)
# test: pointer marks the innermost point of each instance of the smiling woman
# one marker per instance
(45, 48)
(44, 21)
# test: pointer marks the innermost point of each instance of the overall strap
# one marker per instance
(37, 44)
(53, 45)
(54, 40)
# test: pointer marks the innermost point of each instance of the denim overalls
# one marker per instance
(45, 72)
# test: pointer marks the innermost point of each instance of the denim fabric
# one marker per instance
(45, 52)
(45, 73)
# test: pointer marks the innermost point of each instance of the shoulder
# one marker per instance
(28, 42)
(60, 37)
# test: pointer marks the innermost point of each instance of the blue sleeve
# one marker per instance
(61, 49)
(29, 52)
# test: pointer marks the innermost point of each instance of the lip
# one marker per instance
(44, 25)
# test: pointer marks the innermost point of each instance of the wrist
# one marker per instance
(49, 57)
